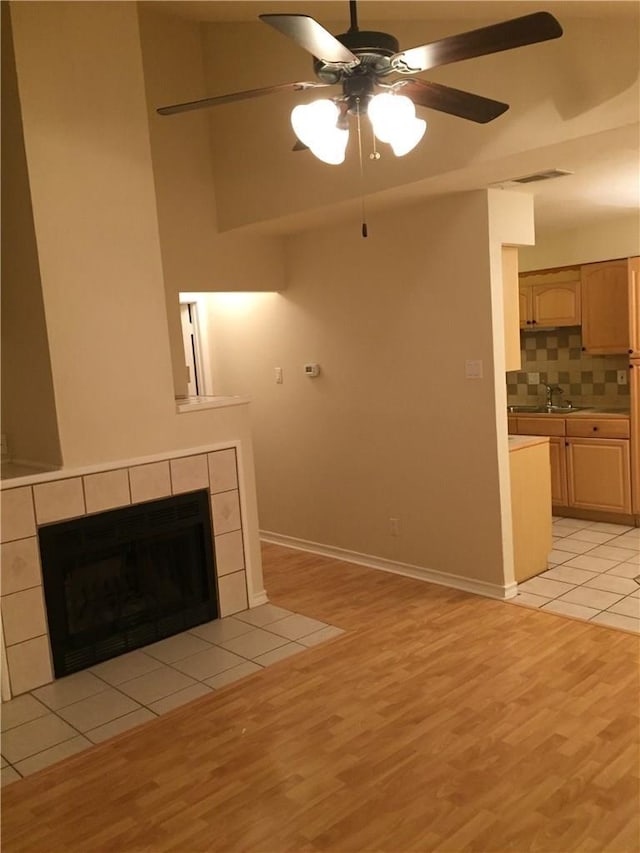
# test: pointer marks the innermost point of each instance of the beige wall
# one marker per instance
(617, 237)
(28, 404)
(195, 257)
(391, 428)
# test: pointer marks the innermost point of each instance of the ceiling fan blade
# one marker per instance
(300, 146)
(309, 34)
(529, 29)
(237, 96)
(452, 101)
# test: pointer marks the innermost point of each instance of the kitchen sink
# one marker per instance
(544, 410)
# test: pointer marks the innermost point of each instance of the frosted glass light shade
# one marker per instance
(315, 125)
(408, 136)
(394, 121)
(387, 112)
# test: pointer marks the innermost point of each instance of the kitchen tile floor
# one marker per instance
(594, 574)
(73, 713)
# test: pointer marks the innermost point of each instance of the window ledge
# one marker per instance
(197, 404)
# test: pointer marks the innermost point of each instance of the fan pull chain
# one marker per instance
(364, 215)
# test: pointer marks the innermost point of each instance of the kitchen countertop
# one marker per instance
(519, 442)
(583, 413)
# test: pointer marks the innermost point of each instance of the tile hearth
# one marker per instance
(593, 575)
(73, 713)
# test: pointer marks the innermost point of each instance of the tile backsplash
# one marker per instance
(558, 357)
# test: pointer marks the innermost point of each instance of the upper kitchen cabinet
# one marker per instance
(549, 299)
(606, 318)
(634, 307)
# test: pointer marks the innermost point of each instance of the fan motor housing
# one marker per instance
(373, 49)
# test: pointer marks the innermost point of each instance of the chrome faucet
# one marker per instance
(551, 390)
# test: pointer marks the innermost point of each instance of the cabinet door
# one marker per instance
(558, 471)
(526, 311)
(634, 381)
(605, 307)
(598, 474)
(556, 304)
(634, 307)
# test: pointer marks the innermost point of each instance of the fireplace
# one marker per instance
(122, 579)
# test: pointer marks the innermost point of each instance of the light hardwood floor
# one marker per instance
(439, 721)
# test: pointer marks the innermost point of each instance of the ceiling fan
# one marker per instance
(361, 61)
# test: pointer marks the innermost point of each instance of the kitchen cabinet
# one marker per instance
(598, 474)
(550, 298)
(606, 319)
(590, 459)
(530, 506)
(634, 307)
(634, 382)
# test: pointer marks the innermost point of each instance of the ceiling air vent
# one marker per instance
(540, 176)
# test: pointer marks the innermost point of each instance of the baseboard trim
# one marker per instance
(258, 598)
(488, 590)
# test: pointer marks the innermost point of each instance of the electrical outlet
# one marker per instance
(622, 377)
(533, 378)
(278, 375)
(394, 526)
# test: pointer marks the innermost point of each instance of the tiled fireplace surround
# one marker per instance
(62, 497)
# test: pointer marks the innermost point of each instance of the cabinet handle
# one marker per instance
(566, 444)
(630, 352)
(528, 322)
(595, 429)
(584, 349)
(534, 322)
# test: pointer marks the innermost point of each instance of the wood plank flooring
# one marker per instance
(439, 721)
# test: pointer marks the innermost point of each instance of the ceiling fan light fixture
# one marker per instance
(315, 125)
(388, 113)
(408, 137)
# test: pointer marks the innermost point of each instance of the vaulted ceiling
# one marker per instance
(574, 106)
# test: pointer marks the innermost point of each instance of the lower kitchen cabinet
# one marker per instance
(558, 471)
(599, 474)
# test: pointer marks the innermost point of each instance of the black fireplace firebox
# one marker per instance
(128, 577)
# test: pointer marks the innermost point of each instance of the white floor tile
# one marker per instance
(611, 583)
(575, 523)
(616, 620)
(568, 574)
(559, 531)
(573, 546)
(70, 689)
(21, 710)
(591, 564)
(119, 725)
(566, 608)
(595, 598)
(625, 570)
(263, 615)
(126, 667)
(208, 663)
(34, 736)
(221, 629)
(635, 594)
(156, 684)
(3, 762)
(177, 647)
(331, 631)
(546, 588)
(630, 540)
(9, 775)
(627, 607)
(182, 697)
(280, 654)
(556, 557)
(257, 642)
(296, 626)
(597, 537)
(605, 527)
(97, 710)
(611, 553)
(233, 674)
(52, 755)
